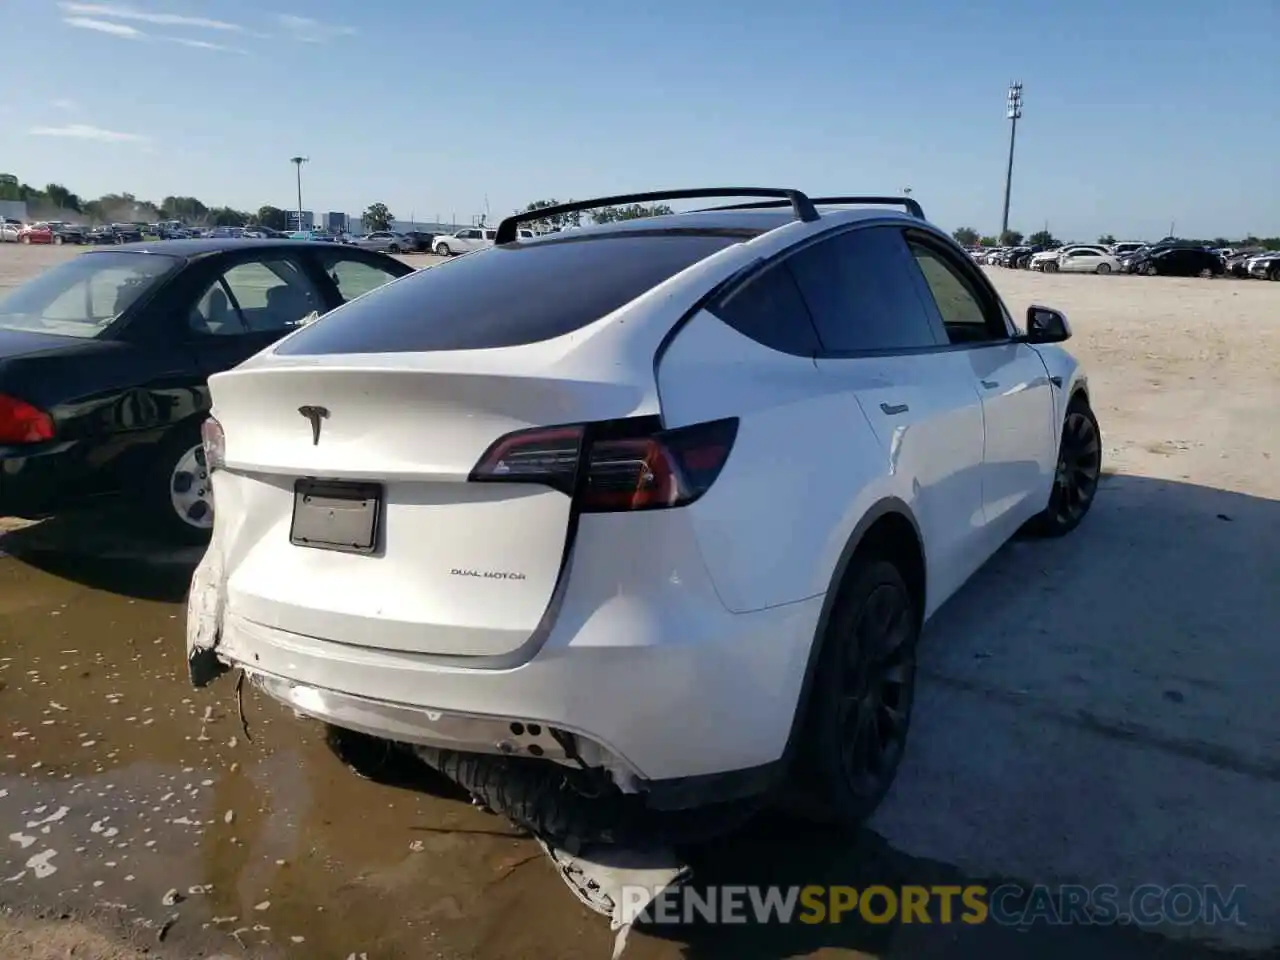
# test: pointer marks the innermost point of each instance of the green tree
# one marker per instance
(966, 236)
(1011, 238)
(557, 221)
(632, 211)
(228, 217)
(378, 217)
(1043, 238)
(186, 209)
(272, 217)
(988, 242)
(62, 198)
(1106, 239)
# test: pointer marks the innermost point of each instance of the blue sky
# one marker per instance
(1137, 113)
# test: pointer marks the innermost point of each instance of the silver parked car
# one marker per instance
(385, 241)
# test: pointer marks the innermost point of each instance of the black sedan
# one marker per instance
(104, 361)
(1175, 262)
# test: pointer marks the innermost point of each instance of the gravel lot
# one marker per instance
(1099, 709)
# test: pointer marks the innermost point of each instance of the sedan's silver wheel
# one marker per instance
(1206, 274)
(1104, 268)
(190, 492)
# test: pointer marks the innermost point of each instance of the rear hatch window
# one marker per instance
(507, 296)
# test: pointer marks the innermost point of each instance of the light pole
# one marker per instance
(1013, 113)
(298, 162)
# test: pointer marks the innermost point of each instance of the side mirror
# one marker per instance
(1046, 325)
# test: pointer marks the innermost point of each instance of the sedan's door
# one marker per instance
(879, 343)
(1018, 402)
(247, 301)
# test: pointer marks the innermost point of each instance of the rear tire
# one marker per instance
(856, 729)
(566, 807)
(1104, 269)
(58, 241)
(1206, 274)
(443, 250)
(393, 249)
(1076, 477)
(176, 491)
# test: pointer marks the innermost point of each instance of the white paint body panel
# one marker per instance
(674, 640)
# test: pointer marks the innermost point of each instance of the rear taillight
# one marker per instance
(627, 464)
(215, 444)
(20, 422)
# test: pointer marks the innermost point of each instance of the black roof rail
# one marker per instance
(911, 206)
(797, 201)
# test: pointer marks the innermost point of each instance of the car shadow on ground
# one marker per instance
(107, 548)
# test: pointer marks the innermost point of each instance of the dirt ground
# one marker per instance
(1099, 709)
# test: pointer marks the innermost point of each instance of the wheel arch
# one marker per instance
(889, 529)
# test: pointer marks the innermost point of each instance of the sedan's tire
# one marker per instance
(443, 250)
(855, 732)
(1206, 274)
(1079, 468)
(26, 240)
(1050, 267)
(1151, 270)
(177, 492)
(1273, 272)
(393, 249)
(58, 240)
(1104, 269)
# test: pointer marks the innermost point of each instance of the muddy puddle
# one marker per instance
(129, 797)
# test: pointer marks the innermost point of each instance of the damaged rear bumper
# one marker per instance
(687, 722)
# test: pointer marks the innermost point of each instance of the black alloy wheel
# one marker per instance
(1075, 479)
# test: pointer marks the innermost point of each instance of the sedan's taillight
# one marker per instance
(215, 444)
(20, 422)
(629, 464)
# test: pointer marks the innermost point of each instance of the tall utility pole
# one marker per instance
(299, 161)
(1013, 113)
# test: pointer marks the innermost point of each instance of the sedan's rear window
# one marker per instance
(506, 296)
(83, 296)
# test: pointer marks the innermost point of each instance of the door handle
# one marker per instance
(991, 384)
(894, 408)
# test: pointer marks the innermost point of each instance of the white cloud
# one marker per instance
(82, 131)
(306, 30)
(66, 105)
(103, 26)
(203, 44)
(114, 11)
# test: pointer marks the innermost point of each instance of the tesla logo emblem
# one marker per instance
(315, 415)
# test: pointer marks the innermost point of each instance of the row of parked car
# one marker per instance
(59, 232)
(1168, 257)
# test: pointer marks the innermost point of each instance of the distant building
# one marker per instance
(308, 220)
(337, 222)
(14, 209)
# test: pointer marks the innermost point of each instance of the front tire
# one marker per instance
(1079, 468)
(58, 241)
(393, 249)
(1150, 270)
(1104, 269)
(444, 251)
(177, 492)
(856, 730)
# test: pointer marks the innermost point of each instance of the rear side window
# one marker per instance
(861, 292)
(769, 309)
(505, 296)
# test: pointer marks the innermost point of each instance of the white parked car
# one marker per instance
(473, 238)
(1088, 260)
(9, 230)
(659, 507)
(1048, 260)
(1123, 248)
(464, 241)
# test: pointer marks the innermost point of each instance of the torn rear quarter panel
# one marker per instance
(205, 604)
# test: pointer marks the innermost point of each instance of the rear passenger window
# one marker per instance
(958, 301)
(861, 293)
(505, 296)
(768, 308)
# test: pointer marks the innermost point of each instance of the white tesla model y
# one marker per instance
(654, 509)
